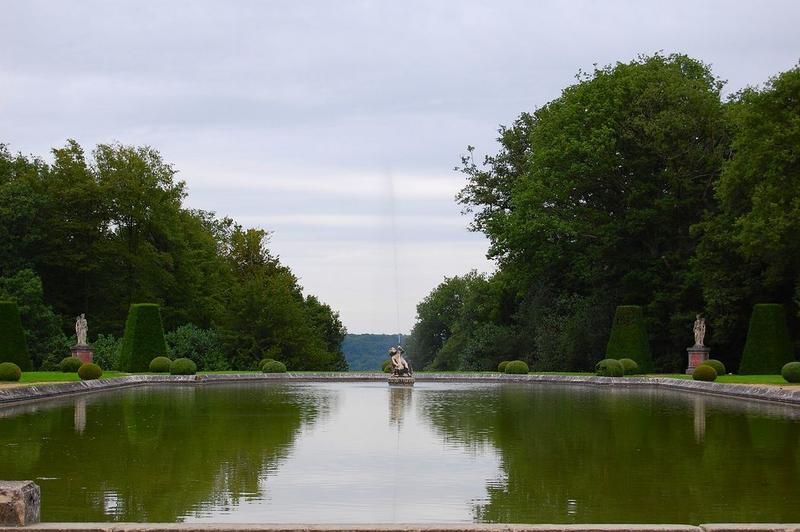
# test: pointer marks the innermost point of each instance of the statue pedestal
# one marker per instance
(697, 355)
(84, 352)
(401, 381)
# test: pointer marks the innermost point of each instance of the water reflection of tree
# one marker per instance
(157, 454)
(587, 455)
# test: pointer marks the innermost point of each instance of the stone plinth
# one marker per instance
(19, 503)
(697, 355)
(401, 381)
(83, 352)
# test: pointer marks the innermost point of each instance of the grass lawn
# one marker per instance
(737, 379)
(58, 376)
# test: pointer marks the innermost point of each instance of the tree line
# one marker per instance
(640, 184)
(97, 233)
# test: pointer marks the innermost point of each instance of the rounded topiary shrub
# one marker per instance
(144, 338)
(718, 366)
(183, 366)
(501, 367)
(791, 372)
(70, 364)
(13, 347)
(517, 367)
(10, 372)
(609, 367)
(704, 373)
(90, 372)
(768, 346)
(160, 365)
(263, 362)
(629, 366)
(274, 366)
(387, 366)
(629, 337)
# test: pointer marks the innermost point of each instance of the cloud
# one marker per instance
(320, 120)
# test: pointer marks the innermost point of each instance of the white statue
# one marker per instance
(81, 329)
(699, 331)
(400, 366)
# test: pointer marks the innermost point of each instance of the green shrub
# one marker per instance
(704, 373)
(768, 346)
(791, 372)
(160, 365)
(13, 347)
(264, 361)
(70, 364)
(10, 372)
(201, 345)
(106, 351)
(718, 366)
(609, 367)
(629, 366)
(144, 338)
(90, 372)
(274, 366)
(183, 366)
(517, 367)
(501, 367)
(629, 338)
(387, 366)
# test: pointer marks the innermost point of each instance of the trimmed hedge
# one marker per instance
(517, 367)
(144, 338)
(10, 372)
(274, 366)
(791, 372)
(629, 338)
(704, 373)
(609, 367)
(629, 366)
(387, 366)
(768, 346)
(160, 365)
(13, 347)
(183, 366)
(90, 372)
(70, 364)
(718, 366)
(501, 367)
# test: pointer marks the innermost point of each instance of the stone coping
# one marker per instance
(189, 527)
(20, 394)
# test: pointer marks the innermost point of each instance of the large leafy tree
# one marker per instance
(110, 229)
(749, 251)
(596, 192)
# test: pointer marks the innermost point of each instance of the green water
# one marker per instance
(438, 452)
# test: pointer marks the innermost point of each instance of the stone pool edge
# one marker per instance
(35, 392)
(189, 527)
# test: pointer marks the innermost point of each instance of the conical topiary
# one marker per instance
(629, 338)
(144, 338)
(13, 347)
(768, 346)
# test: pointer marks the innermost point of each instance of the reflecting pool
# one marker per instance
(443, 452)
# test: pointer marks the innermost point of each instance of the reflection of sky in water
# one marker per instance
(375, 458)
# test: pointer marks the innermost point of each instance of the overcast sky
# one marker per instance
(318, 120)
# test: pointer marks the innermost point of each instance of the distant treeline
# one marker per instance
(640, 185)
(368, 351)
(95, 234)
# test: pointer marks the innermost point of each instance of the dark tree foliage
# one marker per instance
(12, 343)
(629, 337)
(637, 186)
(99, 232)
